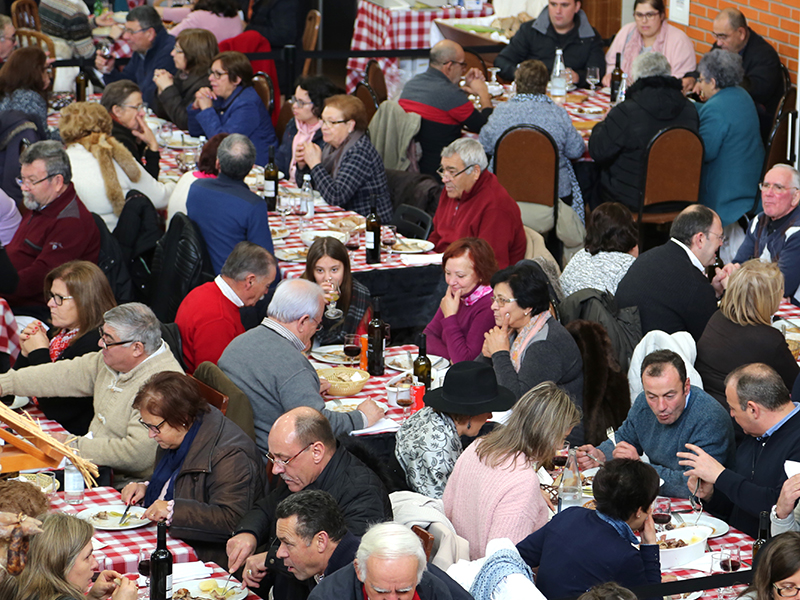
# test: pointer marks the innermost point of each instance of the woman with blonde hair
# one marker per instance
(96, 156)
(60, 565)
(77, 294)
(741, 331)
(494, 490)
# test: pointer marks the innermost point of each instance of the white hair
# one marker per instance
(794, 172)
(135, 322)
(469, 150)
(294, 299)
(390, 540)
(650, 64)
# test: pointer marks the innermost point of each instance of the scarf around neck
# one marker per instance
(106, 150)
(525, 336)
(331, 157)
(60, 342)
(169, 466)
(305, 133)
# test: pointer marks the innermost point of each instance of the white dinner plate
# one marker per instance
(178, 143)
(278, 233)
(297, 255)
(399, 362)
(333, 355)
(235, 592)
(134, 519)
(719, 526)
(412, 246)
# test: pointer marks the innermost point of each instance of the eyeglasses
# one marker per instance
(721, 238)
(217, 74)
(29, 183)
(11, 38)
(285, 463)
(300, 103)
(789, 591)
(136, 107)
(57, 298)
(130, 31)
(449, 171)
(330, 124)
(645, 16)
(503, 301)
(318, 321)
(463, 65)
(154, 428)
(776, 187)
(720, 37)
(177, 50)
(106, 344)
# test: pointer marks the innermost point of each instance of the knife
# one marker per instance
(227, 583)
(125, 514)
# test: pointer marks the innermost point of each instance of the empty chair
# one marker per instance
(412, 222)
(25, 15)
(376, 80)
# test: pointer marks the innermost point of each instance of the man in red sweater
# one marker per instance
(474, 204)
(57, 229)
(208, 318)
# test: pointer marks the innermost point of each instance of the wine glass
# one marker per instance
(352, 347)
(389, 236)
(494, 71)
(164, 134)
(560, 459)
(593, 77)
(662, 512)
(144, 564)
(284, 207)
(729, 562)
(104, 49)
(332, 312)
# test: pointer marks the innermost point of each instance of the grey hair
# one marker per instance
(56, 161)
(5, 21)
(135, 321)
(469, 150)
(294, 299)
(650, 64)
(759, 383)
(236, 155)
(795, 173)
(247, 258)
(390, 540)
(724, 67)
(147, 17)
(736, 18)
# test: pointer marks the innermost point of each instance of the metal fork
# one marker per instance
(611, 436)
(696, 502)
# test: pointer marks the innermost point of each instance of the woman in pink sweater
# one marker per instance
(494, 491)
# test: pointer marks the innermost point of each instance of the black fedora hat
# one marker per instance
(470, 388)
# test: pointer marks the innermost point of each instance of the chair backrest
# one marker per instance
(111, 261)
(672, 151)
(310, 36)
(524, 154)
(25, 14)
(426, 538)
(263, 85)
(364, 93)
(29, 37)
(412, 222)
(239, 409)
(474, 61)
(284, 117)
(213, 397)
(376, 81)
(779, 148)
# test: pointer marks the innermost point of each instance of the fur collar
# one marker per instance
(106, 150)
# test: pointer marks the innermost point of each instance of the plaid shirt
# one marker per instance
(361, 176)
(333, 332)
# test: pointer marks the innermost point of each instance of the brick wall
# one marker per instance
(776, 20)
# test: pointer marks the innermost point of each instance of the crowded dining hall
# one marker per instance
(383, 299)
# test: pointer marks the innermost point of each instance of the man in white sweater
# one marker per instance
(132, 351)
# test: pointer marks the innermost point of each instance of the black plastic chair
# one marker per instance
(412, 222)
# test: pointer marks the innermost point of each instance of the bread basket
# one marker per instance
(344, 380)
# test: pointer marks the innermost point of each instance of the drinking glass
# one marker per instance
(662, 512)
(284, 207)
(144, 564)
(494, 71)
(164, 134)
(729, 562)
(352, 347)
(593, 77)
(332, 312)
(560, 459)
(389, 236)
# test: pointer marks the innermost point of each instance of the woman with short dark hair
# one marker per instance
(208, 473)
(123, 101)
(232, 105)
(580, 547)
(612, 245)
(24, 77)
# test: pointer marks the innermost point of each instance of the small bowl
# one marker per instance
(695, 537)
(309, 236)
(394, 391)
(344, 388)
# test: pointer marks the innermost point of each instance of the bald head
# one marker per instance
(730, 30)
(301, 444)
(448, 57)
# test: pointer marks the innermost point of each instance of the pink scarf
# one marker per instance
(305, 133)
(635, 44)
(525, 336)
(476, 294)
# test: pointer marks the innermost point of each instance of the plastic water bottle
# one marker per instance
(558, 78)
(623, 89)
(73, 484)
(307, 195)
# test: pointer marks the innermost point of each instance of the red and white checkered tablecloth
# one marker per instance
(122, 547)
(9, 338)
(787, 310)
(378, 28)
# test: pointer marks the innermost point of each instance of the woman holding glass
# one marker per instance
(328, 264)
(650, 32)
(78, 296)
(61, 566)
(465, 312)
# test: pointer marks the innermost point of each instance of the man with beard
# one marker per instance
(58, 227)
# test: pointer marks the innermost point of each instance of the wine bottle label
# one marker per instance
(269, 187)
(369, 237)
(169, 586)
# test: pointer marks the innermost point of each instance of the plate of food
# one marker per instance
(333, 354)
(718, 526)
(347, 224)
(179, 142)
(292, 255)
(278, 233)
(412, 246)
(587, 479)
(107, 517)
(399, 362)
(208, 589)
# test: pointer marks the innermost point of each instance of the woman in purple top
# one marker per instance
(465, 312)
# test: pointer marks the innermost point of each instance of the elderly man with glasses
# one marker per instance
(773, 235)
(474, 204)
(436, 97)
(152, 46)
(8, 39)
(57, 229)
(304, 454)
(131, 350)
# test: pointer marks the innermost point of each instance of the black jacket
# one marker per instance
(582, 46)
(618, 142)
(344, 585)
(171, 104)
(143, 155)
(276, 20)
(74, 414)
